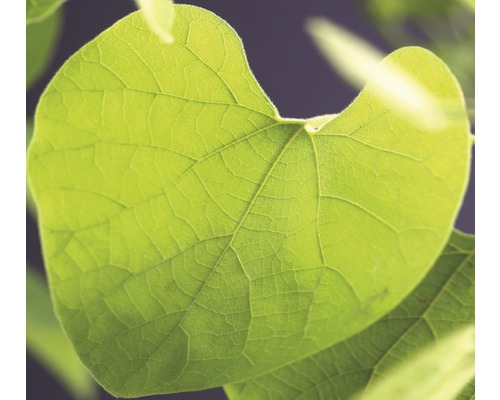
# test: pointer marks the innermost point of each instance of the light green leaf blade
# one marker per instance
(41, 42)
(439, 372)
(184, 225)
(160, 15)
(47, 342)
(442, 303)
(38, 10)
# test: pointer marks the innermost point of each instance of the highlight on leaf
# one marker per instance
(358, 62)
(160, 15)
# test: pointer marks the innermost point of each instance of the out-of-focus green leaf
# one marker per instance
(30, 201)
(160, 15)
(193, 237)
(468, 393)
(46, 341)
(391, 9)
(41, 41)
(469, 3)
(442, 303)
(38, 10)
(439, 372)
(358, 62)
(446, 27)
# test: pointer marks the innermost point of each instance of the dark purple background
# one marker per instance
(284, 61)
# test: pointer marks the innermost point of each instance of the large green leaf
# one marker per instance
(442, 303)
(38, 10)
(194, 238)
(41, 41)
(47, 342)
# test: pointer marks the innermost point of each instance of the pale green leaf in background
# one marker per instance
(441, 304)
(41, 41)
(468, 393)
(395, 9)
(469, 3)
(193, 237)
(439, 372)
(160, 15)
(38, 10)
(46, 341)
(357, 61)
(30, 201)
(445, 27)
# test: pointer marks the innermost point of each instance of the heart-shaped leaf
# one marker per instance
(442, 303)
(193, 237)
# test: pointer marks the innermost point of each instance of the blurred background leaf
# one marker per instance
(439, 372)
(160, 15)
(445, 27)
(30, 201)
(47, 342)
(41, 42)
(358, 62)
(38, 10)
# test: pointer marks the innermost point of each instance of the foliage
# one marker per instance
(422, 22)
(41, 41)
(442, 303)
(438, 373)
(47, 342)
(193, 237)
(38, 10)
(160, 15)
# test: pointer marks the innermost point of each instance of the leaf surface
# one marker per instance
(442, 303)
(38, 10)
(47, 342)
(193, 237)
(41, 41)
